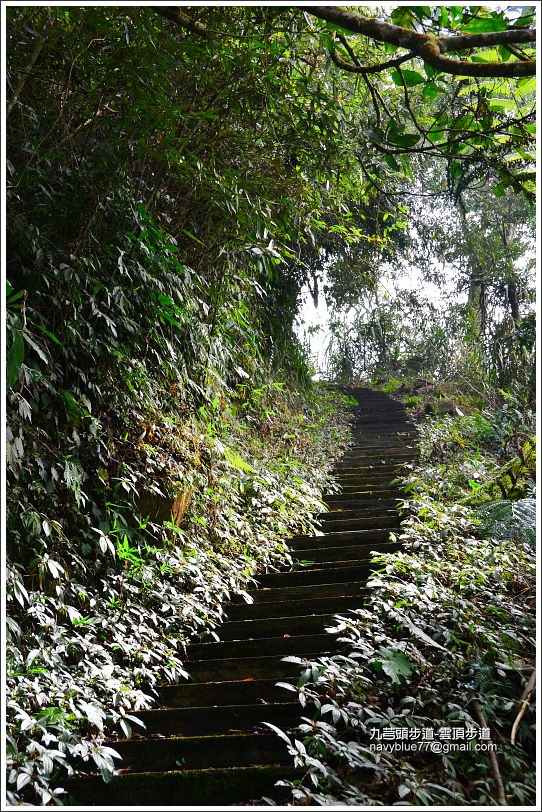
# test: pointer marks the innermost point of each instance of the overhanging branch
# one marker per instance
(432, 49)
(175, 15)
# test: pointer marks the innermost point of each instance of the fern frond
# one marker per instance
(504, 519)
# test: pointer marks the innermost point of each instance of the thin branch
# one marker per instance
(417, 126)
(501, 796)
(366, 69)
(525, 699)
(430, 148)
(372, 91)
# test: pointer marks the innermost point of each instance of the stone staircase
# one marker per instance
(207, 744)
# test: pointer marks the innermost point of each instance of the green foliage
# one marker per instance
(392, 385)
(168, 196)
(103, 600)
(155, 462)
(504, 519)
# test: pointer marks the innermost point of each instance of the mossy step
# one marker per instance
(375, 465)
(374, 427)
(360, 493)
(296, 592)
(302, 606)
(361, 523)
(365, 478)
(337, 539)
(392, 471)
(231, 692)
(372, 482)
(280, 646)
(373, 489)
(387, 453)
(200, 752)
(347, 553)
(364, 506)
(351, 514)
(370, 506)
(369, 474)
(390, 428)
(319, 574)
(257, 667)
(219, 718)
(208, 788)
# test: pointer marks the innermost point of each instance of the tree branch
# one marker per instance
(431, 48)
(525, 699)
(366, 69)
(175, 15)
(501, 795)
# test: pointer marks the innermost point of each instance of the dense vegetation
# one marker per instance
(175, 177)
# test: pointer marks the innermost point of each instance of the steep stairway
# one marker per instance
(206, 743)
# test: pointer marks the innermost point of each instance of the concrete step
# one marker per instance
(334, 572)
(200, 752)
(278, 621)
(341, 598)
(220, 718)
(283, 595)
(369, 493)
(350, 553)
(361, 523)
(232, 692)
(254, 667)
(366, 505)
(339, 539)
(300, 645)
(213, 787)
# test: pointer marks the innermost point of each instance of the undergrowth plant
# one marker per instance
(429, 702)
(102, 610)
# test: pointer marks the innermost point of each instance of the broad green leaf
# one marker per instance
(395, 665)
(432, 90)
(392, 163)
(504, 53)
(402, 17)
(376, 135)
(15, 358)
(483, 25)
(422, 12)
(410, 77)
(526, 19)
(407, 140)
(48, 334)
(436, 135)
(389, 48)
(236, 461)
(421, 634)
(11, 296)
(407, 169)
